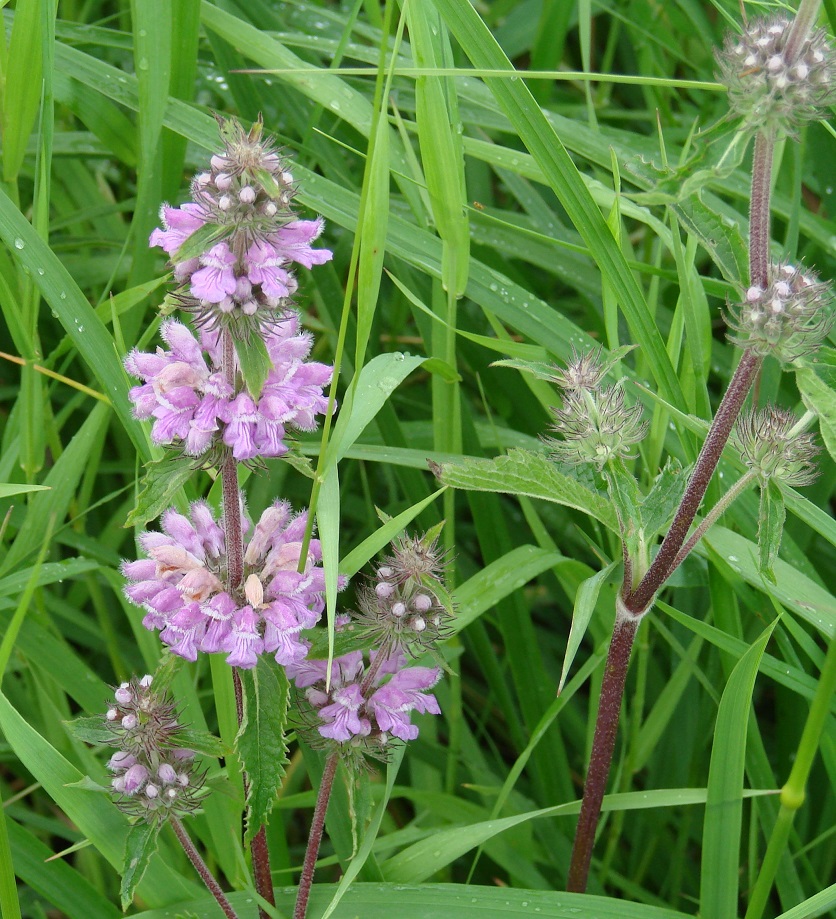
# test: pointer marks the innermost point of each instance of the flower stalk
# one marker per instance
(200, 866)
(315, 836)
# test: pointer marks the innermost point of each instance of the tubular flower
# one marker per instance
(363, 709)
(194, 407)
(769, 91)
(237, 271)
(182, 584)
(595, 421)
(153, 774)
(770, 445)
(788, 319)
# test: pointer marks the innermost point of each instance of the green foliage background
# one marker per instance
(568, 212)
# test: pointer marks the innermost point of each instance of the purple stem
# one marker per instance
(639, 600)
(234, 540)
(603, 744)
(759, 211)
(202, 870)
(315, 837)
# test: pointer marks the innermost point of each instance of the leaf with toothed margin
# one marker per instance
(261, 740)
(140, 845)
(161, 482)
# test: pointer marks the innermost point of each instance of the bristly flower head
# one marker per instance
(788, 319)
(182, 585)
(233, 247)
(154, 774)
(405, 605)
(769, 91)
(364, 708)
(770, 445)
(595, 421)
(195, 408)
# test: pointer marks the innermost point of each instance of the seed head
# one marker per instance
(788, 319)
(770, 446)
(766, 89)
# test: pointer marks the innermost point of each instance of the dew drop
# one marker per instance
(41, 272)
(732, 558)
(19, 243)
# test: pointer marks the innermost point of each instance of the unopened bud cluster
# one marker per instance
(595, 423)
(788, 319)
(771, 446)
(769, 90)
(153, 774)
(405, 602)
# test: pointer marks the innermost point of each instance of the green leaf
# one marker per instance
(23, 78)
(770, 527)
(9, 490)
(623, 489)
(532, 474)
(161, 482)
(140, 845)
(198, 242)
(720, 873)
(255, 363)
(661, 502)
(261, 740)
(585, 600)
(90, 729)
(201, 742)
(818, 397)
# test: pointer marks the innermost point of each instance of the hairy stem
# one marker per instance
(234, 540)
(202, 869)
(712, 517)
(802, 25)
(603, 744)
(759, 208)
(315, 837)
(638, 600)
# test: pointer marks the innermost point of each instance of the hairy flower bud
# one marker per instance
(770, 445)
(595, 421)
(405, 604)
(769, 91)
(788, 319)
(151, 755)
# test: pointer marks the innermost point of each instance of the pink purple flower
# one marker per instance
(181, 585)
(366, 710)
(194, 407)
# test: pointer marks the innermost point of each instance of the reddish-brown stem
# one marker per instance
(315, 837)
(759, 211)
(603, 744)
(639, 600)
(234, 541)
(201, 868)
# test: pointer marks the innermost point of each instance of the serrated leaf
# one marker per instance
(201, 742)
(91, 730)
(770, 528)
(255, 363)
(818, 397)
(624, 491)
(162, 480)
(662, 500)
(140, 845)
(522, 472)
(261, 740)
(199, 241)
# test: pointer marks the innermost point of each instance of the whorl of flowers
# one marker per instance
(405, 603)
(153, 774)
(595, 422)
(365, 707)
(769, 91)
(186, 391)
(237, 271)
(182, 583)
(770, 445)
(788, 319)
